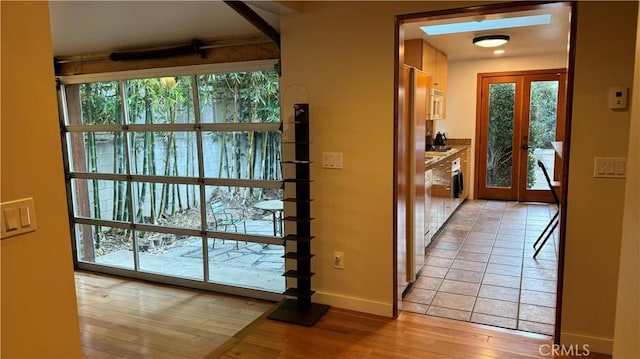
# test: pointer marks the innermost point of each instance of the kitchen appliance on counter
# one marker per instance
(440, 142)
(428, 142)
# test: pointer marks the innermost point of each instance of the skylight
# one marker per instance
(493, 24)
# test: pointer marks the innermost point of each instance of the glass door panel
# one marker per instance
(543, 115)
(500, 135)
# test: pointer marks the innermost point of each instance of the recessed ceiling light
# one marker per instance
(498, 52)
(491, 40)
(493, 24)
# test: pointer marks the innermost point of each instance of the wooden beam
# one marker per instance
(215, 52)
(261, 24)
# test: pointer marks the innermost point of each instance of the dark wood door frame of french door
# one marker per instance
(518, 188)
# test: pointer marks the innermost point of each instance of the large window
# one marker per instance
(177, 177)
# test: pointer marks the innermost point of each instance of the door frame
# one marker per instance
(521, 107)
(400, 139)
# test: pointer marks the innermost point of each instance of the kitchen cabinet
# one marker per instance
(440, 77)
(441, 192)
(439, 203)
(422, 55)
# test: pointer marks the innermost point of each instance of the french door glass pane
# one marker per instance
(543, 115)
(500, 134)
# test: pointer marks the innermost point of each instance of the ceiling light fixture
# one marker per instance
(491, 40)
(498, 52)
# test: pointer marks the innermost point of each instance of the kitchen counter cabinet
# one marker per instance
(442, 204)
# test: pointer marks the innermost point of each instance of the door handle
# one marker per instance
(525, 147)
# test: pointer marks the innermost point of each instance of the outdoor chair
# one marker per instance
(553, 223)
(223, 218)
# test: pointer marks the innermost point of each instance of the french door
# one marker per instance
(520, 121)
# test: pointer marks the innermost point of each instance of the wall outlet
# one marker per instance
(338, 260)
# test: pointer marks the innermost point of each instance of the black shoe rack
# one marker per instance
(298, 308)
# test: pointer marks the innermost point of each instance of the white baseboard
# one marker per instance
(596, 344)
(354, 303)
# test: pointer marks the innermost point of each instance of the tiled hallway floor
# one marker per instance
(480, 268)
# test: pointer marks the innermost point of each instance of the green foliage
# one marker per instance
(244, 97)
(542, 125)
(500, 141)
(543, 113)
(100, 103)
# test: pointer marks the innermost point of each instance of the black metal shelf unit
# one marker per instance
(300, 309)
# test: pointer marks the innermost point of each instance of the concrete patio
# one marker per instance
(242, 264)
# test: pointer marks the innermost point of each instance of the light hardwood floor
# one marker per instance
(125, 318)
(346, 334)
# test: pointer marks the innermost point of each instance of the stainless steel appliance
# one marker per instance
(418, 81)
(456, 183)
(428, 208)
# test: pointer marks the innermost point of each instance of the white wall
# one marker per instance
(627, 330)
(346, 71)
(605, 56)
(39, 312)
(462, 85)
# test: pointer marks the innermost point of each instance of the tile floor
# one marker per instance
(480, 268)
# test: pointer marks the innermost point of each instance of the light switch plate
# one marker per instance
(18, 217)
(332, 160)
(610, 167)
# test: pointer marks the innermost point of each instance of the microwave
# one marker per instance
(436, 105)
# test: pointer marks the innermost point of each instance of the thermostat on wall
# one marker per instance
(617, 97)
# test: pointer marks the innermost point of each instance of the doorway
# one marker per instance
(520, 120)
(529, 215)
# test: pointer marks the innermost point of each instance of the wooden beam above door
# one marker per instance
(219, 51)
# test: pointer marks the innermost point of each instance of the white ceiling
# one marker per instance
(80, 27)
(525, 41)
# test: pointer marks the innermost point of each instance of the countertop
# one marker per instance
(433, 157)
